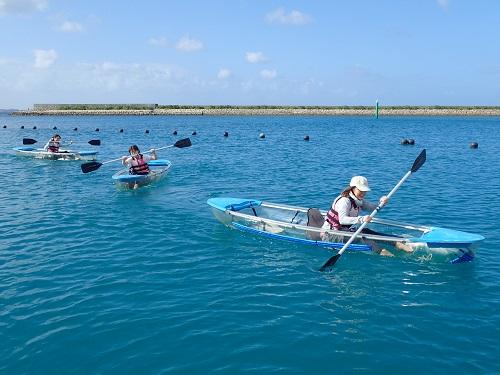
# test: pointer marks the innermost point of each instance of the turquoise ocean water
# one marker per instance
(96, 280)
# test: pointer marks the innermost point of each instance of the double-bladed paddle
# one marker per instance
(29, 141)
(419, 161)
(95, 165)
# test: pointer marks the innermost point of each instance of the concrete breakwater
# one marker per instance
(423, 111)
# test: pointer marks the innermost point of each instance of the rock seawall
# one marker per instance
(269, 112)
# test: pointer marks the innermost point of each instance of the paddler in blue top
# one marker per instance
(345, 209)
(137, 162)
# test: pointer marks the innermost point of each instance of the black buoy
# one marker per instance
(262, 136)
(226, 134)
(193, 133)
(474, 145)
(175, 132)
(22, 126)
(97, 129)
(5, 126)
(121, 130)
(411, 141)
(306, 138)
(147, 131)
(405, 141)
(75, 129)
(54, 128)
(34, 127)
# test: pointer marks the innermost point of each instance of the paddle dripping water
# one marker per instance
(97, 280)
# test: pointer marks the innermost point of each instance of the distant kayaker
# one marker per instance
(344, 213)
(137, 162)
(53, 144)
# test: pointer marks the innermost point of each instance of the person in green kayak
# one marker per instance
(137, 162)
(344, 214)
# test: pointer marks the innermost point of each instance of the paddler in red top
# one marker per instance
(137, 162)
(53, 144)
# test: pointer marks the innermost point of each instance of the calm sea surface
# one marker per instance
(96, 280)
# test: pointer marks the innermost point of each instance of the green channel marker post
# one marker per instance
(376, 109)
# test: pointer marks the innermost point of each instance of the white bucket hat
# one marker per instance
(360, 182)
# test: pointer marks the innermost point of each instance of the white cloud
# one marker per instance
(187, 44)
(443, 4)
(293, 18)
(44, 58)
(224, 73)
(21, 6)
(255, 57)
(268, 73)
(70, 27)
(159, 41)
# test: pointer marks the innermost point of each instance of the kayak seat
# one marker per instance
(314, 219)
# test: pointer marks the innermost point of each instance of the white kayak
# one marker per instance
(303, 225)
(63, 154)
(158, 169)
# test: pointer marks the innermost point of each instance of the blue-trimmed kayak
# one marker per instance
(40, 153)
(302, 225)
(158, 169)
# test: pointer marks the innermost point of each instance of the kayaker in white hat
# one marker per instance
(345, 212)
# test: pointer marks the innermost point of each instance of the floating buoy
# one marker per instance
(306, 138)
(121, 130)
(175, 132)
(226, 134)
(75, 129)
(262, 136)
(34, 127)
(405, 141)
(193, 133)
(147, 131)
(97, 129)
(22, 126)
(5, 126)
(474, 145)
(411, 141)
(54, 128)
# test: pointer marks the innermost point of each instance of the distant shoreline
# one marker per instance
(270, 111)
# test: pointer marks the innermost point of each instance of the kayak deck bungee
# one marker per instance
(290, 223)
(40, 153)
(158, 169)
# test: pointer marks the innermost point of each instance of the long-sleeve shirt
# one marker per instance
(347, 214)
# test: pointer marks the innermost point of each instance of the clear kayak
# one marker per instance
(303, 225)
(158, 169)
(40, 153)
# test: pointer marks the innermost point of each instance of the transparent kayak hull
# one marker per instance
(158, 170)
(291, 223)
(40, 153)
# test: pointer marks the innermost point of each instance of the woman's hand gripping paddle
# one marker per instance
(94, 165)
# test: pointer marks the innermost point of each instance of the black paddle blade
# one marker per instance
(95, 142)
(330, 262)
(186, 142)
(29, 141)
(419, 161)
(90, 166)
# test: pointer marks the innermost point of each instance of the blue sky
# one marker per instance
(415, 52)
